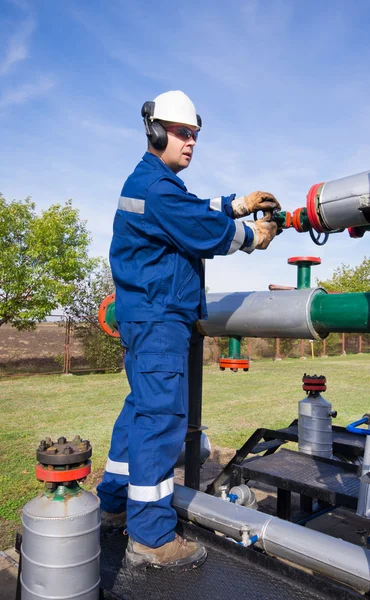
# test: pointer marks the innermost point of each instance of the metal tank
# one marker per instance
(61, 528)
(315, 419)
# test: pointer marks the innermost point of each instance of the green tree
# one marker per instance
(100, 350)
(41, 259)
(349, 279)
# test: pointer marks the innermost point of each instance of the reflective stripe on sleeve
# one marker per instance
(118, 468)
(239, 237)
(216, 204)
(133, 205)
(151, 493)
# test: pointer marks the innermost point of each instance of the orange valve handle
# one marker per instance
(106, 316)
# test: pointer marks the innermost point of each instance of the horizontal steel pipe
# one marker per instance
(271, 314)
(299, 314)
(333, 557)
(341, 313)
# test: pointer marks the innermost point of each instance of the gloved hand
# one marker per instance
(245, 205)
(264, 232)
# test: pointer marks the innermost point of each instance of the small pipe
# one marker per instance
(335, 558)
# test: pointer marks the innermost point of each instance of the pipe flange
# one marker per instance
(314, 383)
(63, 453)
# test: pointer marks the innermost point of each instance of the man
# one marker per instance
(161, 234)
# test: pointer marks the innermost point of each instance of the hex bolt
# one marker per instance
(62, 440)
(52, 450)
(68, 450)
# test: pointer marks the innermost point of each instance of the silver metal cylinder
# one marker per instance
(314, 426)
(284, 314)
(341, 201)
(333, 557)
(61, 548)
(245, 496)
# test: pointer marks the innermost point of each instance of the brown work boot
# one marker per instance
(178, 555)
(113, 519)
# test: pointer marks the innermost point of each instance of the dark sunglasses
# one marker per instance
(182, 132)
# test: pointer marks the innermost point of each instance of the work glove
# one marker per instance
(246, 205)
(264, 232)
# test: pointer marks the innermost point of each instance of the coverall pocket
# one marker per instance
(181, 290)
(160, 385)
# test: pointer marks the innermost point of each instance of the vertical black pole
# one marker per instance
(192, 451)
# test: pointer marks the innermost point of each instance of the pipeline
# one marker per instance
(300, 314)
(333, 557)
(307, 313)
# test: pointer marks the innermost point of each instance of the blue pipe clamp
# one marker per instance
(353, 427)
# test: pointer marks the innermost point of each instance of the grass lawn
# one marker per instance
(234, 405)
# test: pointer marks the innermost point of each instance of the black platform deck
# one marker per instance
(331, 481)
(230, 571)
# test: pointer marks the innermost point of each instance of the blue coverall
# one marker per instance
(161, 233)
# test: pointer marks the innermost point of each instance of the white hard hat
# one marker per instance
(177, 107)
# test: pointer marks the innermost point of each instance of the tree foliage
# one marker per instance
(349, 279)
(100, 350)
(42, 257)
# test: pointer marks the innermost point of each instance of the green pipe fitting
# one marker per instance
(341, 313)
(304, 264)
(234, 347)
(110, 315)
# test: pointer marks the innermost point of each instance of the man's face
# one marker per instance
(179, 151)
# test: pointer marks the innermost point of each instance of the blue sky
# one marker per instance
(283, 88)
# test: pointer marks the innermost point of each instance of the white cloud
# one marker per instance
(25, 92)
(18, 47)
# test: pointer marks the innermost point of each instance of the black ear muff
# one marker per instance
(199, 121)
(155, 132)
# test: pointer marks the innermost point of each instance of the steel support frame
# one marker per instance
(192, 440)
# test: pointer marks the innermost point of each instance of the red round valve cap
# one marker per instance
(297, 260)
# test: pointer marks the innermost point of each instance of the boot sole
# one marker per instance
(140, 563)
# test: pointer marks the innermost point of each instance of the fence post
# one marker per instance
(360, 344)
(67, 344)
(215, 350)
(249, 350)
(343, 344)
(277, 350)
(324, 348)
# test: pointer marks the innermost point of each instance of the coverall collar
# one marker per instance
(156, 162)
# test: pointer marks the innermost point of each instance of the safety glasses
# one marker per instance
(182, 132)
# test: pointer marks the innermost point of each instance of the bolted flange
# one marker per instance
(314, 383)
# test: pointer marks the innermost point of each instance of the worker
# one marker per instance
(161, 234)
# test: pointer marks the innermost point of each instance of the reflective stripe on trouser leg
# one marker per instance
(112, 490)
(160, 390)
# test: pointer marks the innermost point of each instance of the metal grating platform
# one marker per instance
(230, 571)
(330, 481)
